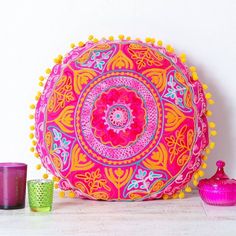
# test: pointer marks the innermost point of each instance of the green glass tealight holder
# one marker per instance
(40, 194)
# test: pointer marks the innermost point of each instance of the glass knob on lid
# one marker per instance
(219, 189)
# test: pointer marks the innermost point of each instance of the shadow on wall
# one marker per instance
(221, 115)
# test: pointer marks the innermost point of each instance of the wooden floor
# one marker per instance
(188, 216)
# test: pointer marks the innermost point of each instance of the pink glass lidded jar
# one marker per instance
(218, 190)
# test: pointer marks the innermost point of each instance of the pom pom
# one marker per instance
(204, 165)
(211, 101)
(201, 173)
(95, 40)
(213, 133)
(31, 117)
(55, 179)
(209, 113)
(45, 176)
(38, 167)
(148, 40)
(81, 44)
(121, 36)
(111, 38)
(175, 195)
(204, 158)
(196, 176)
(169, 48)
(183, 58)
(41, 78)
(56, 186)
(208, 151)
(128, 38)
(32, 106)
(90, 37)
(41, 84)
(34, 142)
(32, 149)
(212, 125)
(159, 43)
(192, 68)
(188, 189)
(32, 127)
(181, 195)
(165, 196)
(31, 135)
(205, 87)
(152, 41)
(60, 57)
(195, 182)
(208, 95)
(212, 145)
(71, 194)
(72, 45)
(195, 76)
(48, 71)
(36, 155)
(138, 39)
(61, 194)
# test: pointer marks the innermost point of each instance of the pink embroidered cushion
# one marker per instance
(121, 120)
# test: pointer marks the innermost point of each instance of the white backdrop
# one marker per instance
(32, 33)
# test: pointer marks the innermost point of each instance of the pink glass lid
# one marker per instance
(12, 165)
(219, 181)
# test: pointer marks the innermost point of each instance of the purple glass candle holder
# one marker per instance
(12, 185)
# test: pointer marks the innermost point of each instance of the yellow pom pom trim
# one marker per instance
(121, 36)
(208, 151)
(31, 117)
(32, 149)
(148, 40)
(195, 182)
(111, 38)
(212, 145)
(56, 186)
(61, 194)
(72, 45)
(201, 173)
(181, 195)
(36, 155)
(196, 176)
(183, 57)
(32, 106)
(41, 78)
(95, 40)
(193, 68)
(204, 165)
(195, 76)
(71, 194)
(208, 95)
(90, 37)
(175, 195)
(41, 84)
(55, 179)
(32, 127)
(34, 142)
(165, 196)
(211, 101)
(31, 135)
(60, 57)
(213, 133)
(188, 189)
(128, 38)
(169, 48)
(38, 167)
(138, 39)
(81, 44)
(205, 87)
(212, 125)
(45, 176)
(48, 71)
(209, 113)
(204, 158)
(152, 41)
(159, 43)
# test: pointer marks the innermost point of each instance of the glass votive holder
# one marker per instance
(12, 185)
(40, 194)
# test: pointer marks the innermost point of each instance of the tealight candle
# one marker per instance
(12, 185)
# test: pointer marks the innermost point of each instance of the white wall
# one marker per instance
(33, 32)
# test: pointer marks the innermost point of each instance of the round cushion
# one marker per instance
(121, 120)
